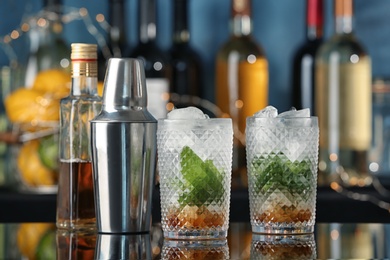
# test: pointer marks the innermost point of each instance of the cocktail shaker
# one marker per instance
(124, 151)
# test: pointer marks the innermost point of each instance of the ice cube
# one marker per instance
(268, 112)
(295, 113)
(187, 113)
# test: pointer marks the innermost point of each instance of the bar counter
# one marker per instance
(350, 223)
(329, 241)
(331, 207)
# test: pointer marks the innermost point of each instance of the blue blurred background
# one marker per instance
(278, 26)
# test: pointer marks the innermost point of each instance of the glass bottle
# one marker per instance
(343, 101)
(75, 199)
(304, 57)
(48, 49)
(116, 43)
(186, 62)
(241, 80)
(156, 63)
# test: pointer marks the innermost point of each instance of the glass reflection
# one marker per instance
(195, 249)
(75, 245)
(115, 246)
(283, 246)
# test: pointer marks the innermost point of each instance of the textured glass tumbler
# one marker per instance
(282, 159)
(194, 164)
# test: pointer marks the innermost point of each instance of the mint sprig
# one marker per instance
(276, 171)
(203, 182)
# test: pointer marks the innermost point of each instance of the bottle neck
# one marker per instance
(181, 33)
(84, 77)
(314, 19)
(343, 16)
(147, 20)
(241, 22)
(117, 36)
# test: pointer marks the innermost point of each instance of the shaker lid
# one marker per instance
(124, 95)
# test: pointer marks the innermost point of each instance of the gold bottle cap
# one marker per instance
(83, 51)
(84, 59)
(343, 7)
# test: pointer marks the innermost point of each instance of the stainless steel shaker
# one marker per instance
(124, 151)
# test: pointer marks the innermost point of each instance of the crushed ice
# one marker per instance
(272, 112)
(187, 113)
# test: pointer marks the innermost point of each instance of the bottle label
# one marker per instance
(344, 104)
(158, 96)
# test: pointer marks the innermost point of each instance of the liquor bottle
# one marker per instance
(304, 58)
(116, 43)
(75, 199)
(241, 79)
(48, 48)
(156, 63)
(343, 101)
(186, 62)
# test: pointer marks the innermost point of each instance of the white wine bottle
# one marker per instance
(343, 101)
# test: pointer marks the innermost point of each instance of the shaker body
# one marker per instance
(124, 156)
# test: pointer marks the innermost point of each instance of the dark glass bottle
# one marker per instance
(186, 62)
(116, 42)
(304, 58)
(156, 62)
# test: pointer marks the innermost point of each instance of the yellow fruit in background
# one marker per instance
(29, 235)
(32, 170)
(100, 88)
(26, 105)
(53, 81)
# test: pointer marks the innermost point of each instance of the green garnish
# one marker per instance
(203, 182)
(278, 172)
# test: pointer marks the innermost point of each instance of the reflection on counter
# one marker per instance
(329, 241)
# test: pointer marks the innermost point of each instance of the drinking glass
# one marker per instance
(282, 158)
(194, 164)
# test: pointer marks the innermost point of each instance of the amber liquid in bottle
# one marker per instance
(78, 177)
(241, 82)
(75, 199)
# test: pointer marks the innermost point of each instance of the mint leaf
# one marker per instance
(203, 181)
(276, 171)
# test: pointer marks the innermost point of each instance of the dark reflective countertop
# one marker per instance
(329, 241)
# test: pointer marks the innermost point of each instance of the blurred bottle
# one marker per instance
(304, 63)
(6, 69)
(380, 144)
(156, 63)
(186, 62)
(117, 43)
(241, 79)
(75, 199)
(48, 49)
(343, 100)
